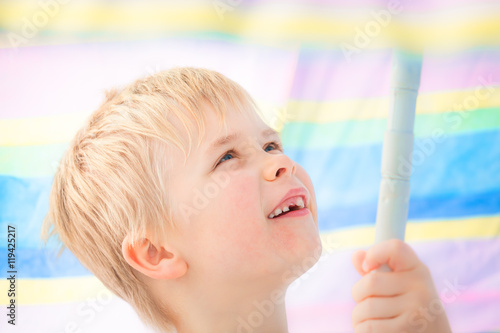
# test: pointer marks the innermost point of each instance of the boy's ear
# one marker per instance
(153, 261)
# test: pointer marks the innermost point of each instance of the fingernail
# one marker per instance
(365, 266)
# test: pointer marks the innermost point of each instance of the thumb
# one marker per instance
(398, 255)
(357, 260)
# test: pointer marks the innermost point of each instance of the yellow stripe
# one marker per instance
(60, 290)
(41, 130)
(364, 109)
(62, 128)
(44, 291)
(326, 26)
(481, 227)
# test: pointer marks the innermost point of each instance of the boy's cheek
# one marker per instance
(241, 197)
(306, 180)
(240, 250)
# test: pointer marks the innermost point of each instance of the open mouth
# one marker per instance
(294, 211)
(294, 203)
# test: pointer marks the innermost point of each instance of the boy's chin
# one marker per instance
(308, 257)
(312, 257)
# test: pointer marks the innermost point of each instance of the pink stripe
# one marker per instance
(97, 314)
(48, 80)
(424, 5)
(324, 75)
(336, 317)
(465, 273)
(39, 81)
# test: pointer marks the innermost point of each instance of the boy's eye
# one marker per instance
(231, 153)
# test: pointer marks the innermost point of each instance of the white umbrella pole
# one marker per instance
(392, 210)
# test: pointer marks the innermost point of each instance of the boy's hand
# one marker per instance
(404, 300)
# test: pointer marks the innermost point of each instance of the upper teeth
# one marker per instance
(286, 207)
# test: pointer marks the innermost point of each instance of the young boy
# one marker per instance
(179, 198)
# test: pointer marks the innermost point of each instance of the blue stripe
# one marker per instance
(486, 204)
(461, 174)
(24, 203)
(44, 263)
(459, 177)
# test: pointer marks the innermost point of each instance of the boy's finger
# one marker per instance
(383, 325)
(378, 308)
(398, 255)
(357, 261)
(381, 284)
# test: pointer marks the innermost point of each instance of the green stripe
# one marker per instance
(362, 132)
(42, 160)
(31, 161)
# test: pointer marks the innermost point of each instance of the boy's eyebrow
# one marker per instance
(225, 140)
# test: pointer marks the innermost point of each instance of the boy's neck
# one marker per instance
(262, 314)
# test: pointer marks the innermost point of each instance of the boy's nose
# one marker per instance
(279, 166)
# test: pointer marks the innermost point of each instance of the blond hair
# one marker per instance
(112, 180)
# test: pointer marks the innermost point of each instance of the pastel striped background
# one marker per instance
(289, 56)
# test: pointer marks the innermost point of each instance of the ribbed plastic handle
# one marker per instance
(394, 194)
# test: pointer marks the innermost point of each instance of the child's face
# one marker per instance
(224, 232)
